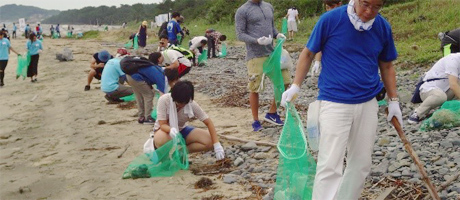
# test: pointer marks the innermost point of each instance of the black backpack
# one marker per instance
(131, 64)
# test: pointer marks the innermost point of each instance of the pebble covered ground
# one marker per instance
(225, 80)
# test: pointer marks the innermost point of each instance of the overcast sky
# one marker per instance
(73, 4)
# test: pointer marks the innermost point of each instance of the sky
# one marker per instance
(73, 4)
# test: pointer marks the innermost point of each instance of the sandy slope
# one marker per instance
(42, 141)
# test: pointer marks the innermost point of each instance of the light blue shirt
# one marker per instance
(14, 28)
(111, 75)
(4, 48)
(33, 47)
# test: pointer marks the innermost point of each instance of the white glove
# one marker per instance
(395, 111)
(220, 154)
(265, 40)
(40, 51)
(289, 94)
(316, 66)
(173, 132)
(280, 36)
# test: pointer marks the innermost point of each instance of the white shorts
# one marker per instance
(292, 26)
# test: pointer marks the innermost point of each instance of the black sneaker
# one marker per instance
(87, 88)
(149, 120)
(1, 84)
(413, 118)
(141, 120)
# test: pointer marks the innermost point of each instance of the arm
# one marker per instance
(94, 65)
(388, 74)
(240, 26)
(212, 130)
(454, 86)
(164, 126)
(173, 65)
(303, 66)
(11, 49)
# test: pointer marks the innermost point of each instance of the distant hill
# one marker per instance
(13, 12)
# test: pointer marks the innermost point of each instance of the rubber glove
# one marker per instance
(395, 111)
(289, 94)
(316, 66)
(280, 36)
(219, 150)
(265, 40)
(173, 132)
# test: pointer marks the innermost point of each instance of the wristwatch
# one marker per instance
(394, 99)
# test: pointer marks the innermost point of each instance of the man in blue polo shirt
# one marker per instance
(356, 42)
(173, 28)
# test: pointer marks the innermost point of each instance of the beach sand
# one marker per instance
(54, 143)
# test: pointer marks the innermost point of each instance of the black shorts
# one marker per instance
(3, 64)
(98, 73)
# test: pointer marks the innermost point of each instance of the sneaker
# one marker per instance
(1, 84)
(256, 126)
(273, 118)
(87, 87)
(141, 120)
(113, 101)
(413, 118)
(149, 120)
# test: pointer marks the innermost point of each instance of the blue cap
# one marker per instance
(103, 56)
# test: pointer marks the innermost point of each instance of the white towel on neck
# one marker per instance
(173, 120)
(355, 20)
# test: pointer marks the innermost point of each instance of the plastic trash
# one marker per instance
(313, 125)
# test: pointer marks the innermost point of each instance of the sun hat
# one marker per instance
(103, 56)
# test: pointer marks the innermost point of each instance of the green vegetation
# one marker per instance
(91, 35)
(13, 12)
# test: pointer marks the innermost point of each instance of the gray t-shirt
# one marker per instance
(255, 20)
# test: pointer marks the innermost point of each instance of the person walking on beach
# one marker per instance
(348, 85)
(5, 48)
(34, 48)
(142, 34)
(174, 110)
(58, 31)
(292, 16)
(52, 30)
(15, 28)
(142, 82)
(27, 31)
(255, 26)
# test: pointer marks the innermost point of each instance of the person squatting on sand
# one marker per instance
(97, 64)
(174, 110)
(112, 80)
(348, 85)
(255, 26)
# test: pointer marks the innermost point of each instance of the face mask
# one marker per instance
(356, 21)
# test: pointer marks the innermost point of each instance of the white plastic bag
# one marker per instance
(313, 125)
(148, 146)
(286, 60)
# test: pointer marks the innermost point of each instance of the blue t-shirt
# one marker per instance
(14, 28)
(173, 29)
(111, 75)
(151, 75)
(4, 48)
(350, 59)
(33, 47)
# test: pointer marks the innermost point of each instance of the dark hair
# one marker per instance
(204, 41)
(31, 36)
(175, 14)
(331, 2)
(154, 57)
(172, 74)
(164, 36)
(182, 92)
(223, 38)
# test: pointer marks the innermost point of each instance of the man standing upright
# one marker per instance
(356, 42)
(292, 15)
(173, 28)
(255, 26)
(14, 30)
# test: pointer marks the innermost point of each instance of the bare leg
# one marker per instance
(199, 140)
(91, 75)
(254, 102)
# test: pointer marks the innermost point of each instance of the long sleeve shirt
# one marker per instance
(255, 20)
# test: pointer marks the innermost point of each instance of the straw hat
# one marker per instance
(144, 23)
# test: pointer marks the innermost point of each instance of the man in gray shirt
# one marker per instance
(255, 26)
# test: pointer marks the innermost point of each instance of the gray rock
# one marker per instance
(443, 171)
(402, 155)
(383, 141)
(440, 162)
(238, 161)
(265, 149)
(456, 142)
(381, 168)
(407, 173)
(236, 172)
(395, 174)
(249, 146)
(379, 153)
(260, 156)
(446, 144)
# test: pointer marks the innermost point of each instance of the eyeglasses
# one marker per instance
(162, 43)
(368, 6)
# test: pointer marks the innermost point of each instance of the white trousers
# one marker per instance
(350, 127)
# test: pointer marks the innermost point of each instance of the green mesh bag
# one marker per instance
(129, 44)
(448, 116)
(203, 58)
(223, 51)
(129, 98)
(163, 162)
(179, 39)
(284, 26)
(23, 65)
(154, 111)
(135, 43)
(55, 35)
(296, 166)
(272, 69)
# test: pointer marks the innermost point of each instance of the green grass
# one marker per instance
(90, 35)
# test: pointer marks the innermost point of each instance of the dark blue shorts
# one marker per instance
(185, 131)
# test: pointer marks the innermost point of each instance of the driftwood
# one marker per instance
(246, 141)
(448, 182)
(431, 188)
(121, 154)
(385, 193)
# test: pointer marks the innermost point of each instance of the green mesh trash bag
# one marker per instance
(55, 35)
(163, 162)
(154, 111)
(129, 98)
(69, 34)
(296, 166)
(223, 51)
(129, 44)
(448, 116)
(179, 39)
(447, 50)
(284, 26)
(272, 69)
(23, 65)
(203, 58)
(383, 102)
(135, 43)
